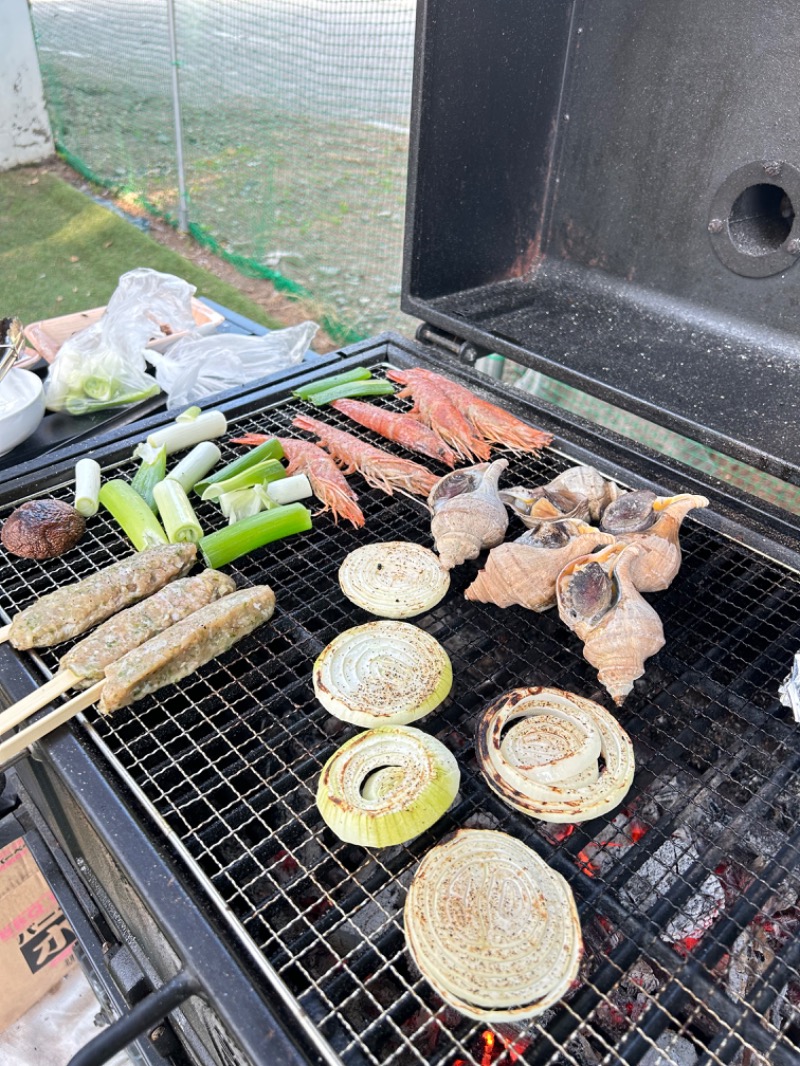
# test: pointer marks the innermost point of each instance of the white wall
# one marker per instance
(25, 135)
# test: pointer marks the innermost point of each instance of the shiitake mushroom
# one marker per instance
(42, 529)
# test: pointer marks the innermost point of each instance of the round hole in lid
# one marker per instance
(752, 225)
(761, 219)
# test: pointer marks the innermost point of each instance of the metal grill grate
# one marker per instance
(688, 897)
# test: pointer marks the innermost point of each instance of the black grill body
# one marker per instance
(188, 822)
(605, 193)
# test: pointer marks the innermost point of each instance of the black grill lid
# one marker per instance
(606, 191)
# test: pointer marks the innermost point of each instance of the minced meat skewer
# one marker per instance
(86, 662)
(179, 650)
(76, 608)
(164, 659)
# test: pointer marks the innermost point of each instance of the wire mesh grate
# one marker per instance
(688, 895)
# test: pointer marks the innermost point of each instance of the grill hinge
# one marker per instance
(450, 343)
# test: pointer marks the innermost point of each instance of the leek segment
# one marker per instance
(257, 474)
(177, 513)
(270, 449)
(351, 390)
(87, 487)
(386, 786)
(382, 673)
(358, 373)
(132, 514)
(225, 545)
(152, 468)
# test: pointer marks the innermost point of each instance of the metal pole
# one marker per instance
(183, 214)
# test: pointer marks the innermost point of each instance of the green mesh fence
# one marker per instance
(295, 132)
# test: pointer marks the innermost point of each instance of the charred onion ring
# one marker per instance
(546, 765)
(393, 579)
(492, 928)
(382, 673)
(386, 786)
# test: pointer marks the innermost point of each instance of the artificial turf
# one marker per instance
(61, 252)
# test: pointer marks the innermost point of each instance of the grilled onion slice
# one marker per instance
(386, 786)
(546, 763)
(492, 928)
(393, 579)
(382, 673)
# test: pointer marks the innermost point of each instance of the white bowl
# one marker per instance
(21, 407)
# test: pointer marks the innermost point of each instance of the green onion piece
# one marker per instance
(99, 388)
(133, 515)
(241, 503)
(352, 389)
(151, 470)
(189, 415)
(195, 465)
(180, 435)
(270, 449)
(177, 513)
(228, 544)
(87, 487)
(261, 474)
(79, 403)
(289, 489)
(359, 373)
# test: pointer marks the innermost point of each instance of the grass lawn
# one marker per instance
(60, 252)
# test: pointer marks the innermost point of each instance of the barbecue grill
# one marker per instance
(570, 164)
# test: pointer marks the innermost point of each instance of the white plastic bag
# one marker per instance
(104, 364)
(195, 367)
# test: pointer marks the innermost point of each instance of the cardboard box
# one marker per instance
(35, 937)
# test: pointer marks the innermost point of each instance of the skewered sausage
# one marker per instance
(74, 609)
(182, 648)
(130, 628)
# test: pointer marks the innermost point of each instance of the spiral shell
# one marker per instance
(653, 523)
(580, 492)
(599, 602)
(524, 571)
(468, 514)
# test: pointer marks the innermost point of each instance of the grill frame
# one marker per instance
(71, 761)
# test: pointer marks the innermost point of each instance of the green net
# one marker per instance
(295, 132)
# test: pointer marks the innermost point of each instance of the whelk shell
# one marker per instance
(524, 571)
(580, 492)
(468, 514)
(653, 523)
(599, 602)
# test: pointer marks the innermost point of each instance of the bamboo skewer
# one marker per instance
(34, 701)
(119, 635)
(164, 659)
(45, 725)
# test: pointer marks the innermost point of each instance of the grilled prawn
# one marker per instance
(435, 408)
(378, 468)
(327, 481)
(490, 423)
(402, 429)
